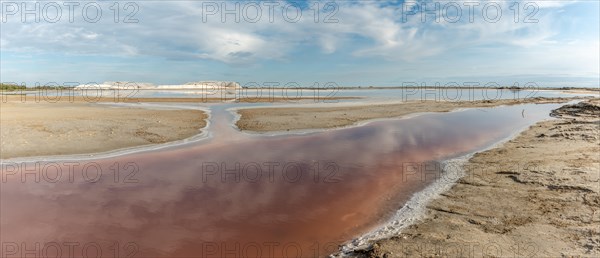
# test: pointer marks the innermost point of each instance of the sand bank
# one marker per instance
(535, 196)
(114, 99)
(332, 116)
(583, 91)
(43, 129)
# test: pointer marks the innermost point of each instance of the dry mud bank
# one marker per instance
(63, 128)
(332, 116)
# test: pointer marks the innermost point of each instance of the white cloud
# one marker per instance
(553, 3)
(381, 25)
(366, 29)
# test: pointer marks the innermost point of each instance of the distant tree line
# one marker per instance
(11, 87)
(15, 87)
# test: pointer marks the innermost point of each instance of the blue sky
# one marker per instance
(363, 43)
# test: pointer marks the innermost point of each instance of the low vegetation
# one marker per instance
(16, 87)
(11, 87)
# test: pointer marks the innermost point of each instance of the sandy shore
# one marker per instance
(332, 116)
(43, 129)
(92, 99)
(583, 91)
(535, 196)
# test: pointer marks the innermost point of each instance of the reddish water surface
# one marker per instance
(238, 195)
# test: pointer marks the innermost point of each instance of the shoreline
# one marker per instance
(200, 100)
(452, 222)
(566, 88)
(205, 133)
(237, 116)
(414, 209)
(418, 208)
(108, 129)
(278, 120)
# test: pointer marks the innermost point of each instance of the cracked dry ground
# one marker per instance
(535, 196)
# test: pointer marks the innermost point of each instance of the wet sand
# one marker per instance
(42, 129)
(535, 196)
(583, 91)
(332, 116)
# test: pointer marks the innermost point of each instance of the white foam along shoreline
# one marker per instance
(414, 209)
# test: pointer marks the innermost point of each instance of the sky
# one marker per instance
(308, 43)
